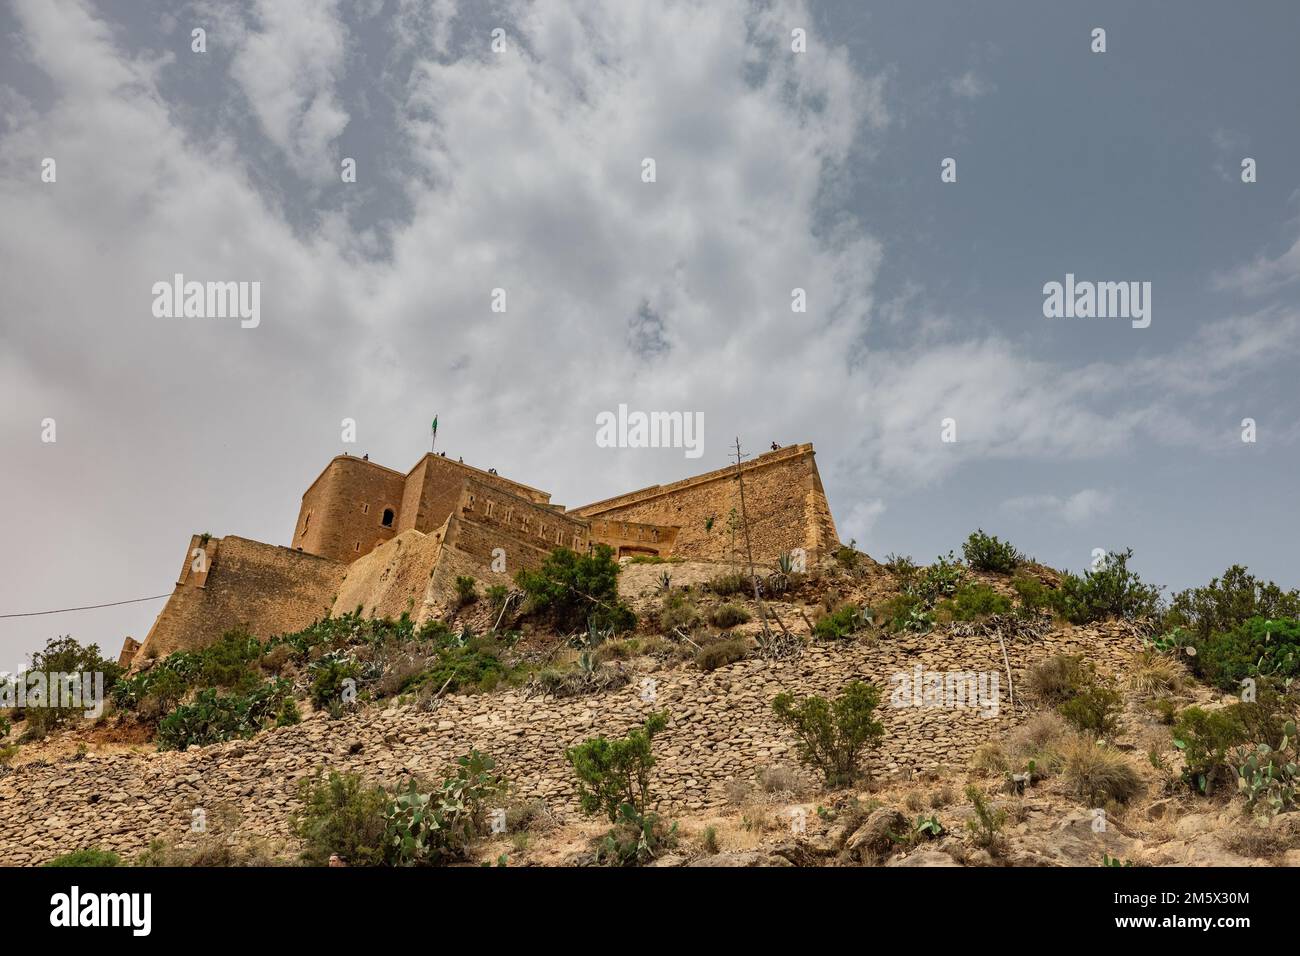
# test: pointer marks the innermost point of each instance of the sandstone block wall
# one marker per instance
(129, 648)
(784, 500)
(342, 513)
(341, 516)
(433, 490)
(392, 579)
(487, 518)
(268, 589)
(632, 538)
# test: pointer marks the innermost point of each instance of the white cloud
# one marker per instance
(287, 64)
(1264, 275)
(860, 521)
(1078, 508)
(530, 181)
(970, 86)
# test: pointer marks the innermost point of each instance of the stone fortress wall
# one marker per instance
(784, 501)
(389, 543)
(263, 587)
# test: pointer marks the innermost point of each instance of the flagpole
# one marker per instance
(433, 441)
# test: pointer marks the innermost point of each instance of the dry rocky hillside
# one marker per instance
(1031, 784)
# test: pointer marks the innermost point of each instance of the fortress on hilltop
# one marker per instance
(387, 542)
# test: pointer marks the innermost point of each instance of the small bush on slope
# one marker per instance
(986, 553)
(614, 781)
(1112, 590)
(1227, 603)
(1258, 647)
(212, 718)
(1096, 773)
(577, 590)
(834, 737)
(91, 857)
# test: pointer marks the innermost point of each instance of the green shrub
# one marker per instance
(614, 781)
(1227, 603)
(91, 857)
(902, 567)
(1083, 697)
(616, 773)
(939, 580)
(973, 601)
(227, 663)
(845, 621)
(987, 823)
(210, 718)
(576, 591)
(848, 557)
(1257, 647)
(906, 612)
(474, 666)
(729, 615)
(709, 840)
(466, 591)
(1095, 709)
(986, 553)
(1035, 596)
(330, 679)
(438, 826)
(1110, 591)
(1166, 710)
(288, 715)
(342, 816)
(720, 653)
(1206, 738)
(496, 596)
(834, 736)
(64, 655)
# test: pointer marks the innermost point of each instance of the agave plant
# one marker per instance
(929, 827)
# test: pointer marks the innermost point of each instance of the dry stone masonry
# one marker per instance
(721, 728)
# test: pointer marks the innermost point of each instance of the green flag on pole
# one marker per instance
(434, 437)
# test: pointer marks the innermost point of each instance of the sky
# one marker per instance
(502, 146)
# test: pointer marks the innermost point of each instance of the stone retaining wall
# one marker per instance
(721, 728)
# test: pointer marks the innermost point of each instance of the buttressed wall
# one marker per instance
(784, 500)
(268, 589)
(392, 543)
